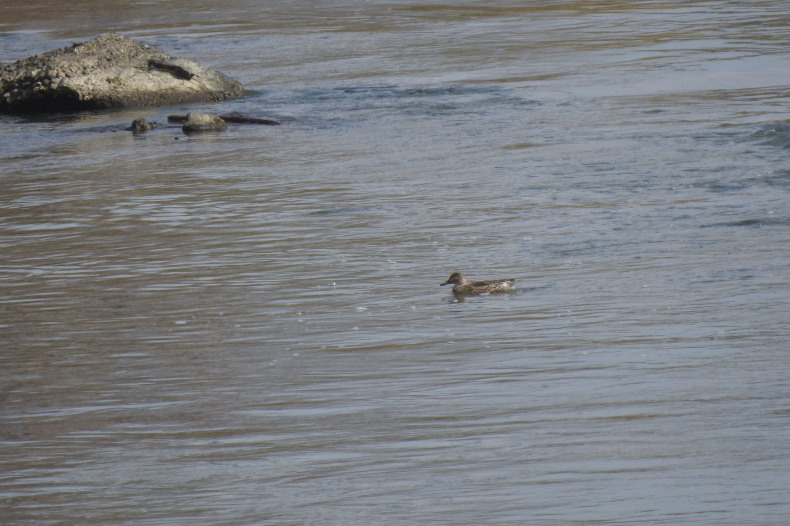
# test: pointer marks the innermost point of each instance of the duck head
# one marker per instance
(456, 278)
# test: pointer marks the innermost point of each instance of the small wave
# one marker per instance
(780, 179)
(775, 134)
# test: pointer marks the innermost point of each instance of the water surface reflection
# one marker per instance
(247, 327)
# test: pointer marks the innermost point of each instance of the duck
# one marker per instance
(491, 286)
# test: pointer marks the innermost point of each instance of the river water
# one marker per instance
(245, 328)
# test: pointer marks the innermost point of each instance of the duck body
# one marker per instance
(463, 288)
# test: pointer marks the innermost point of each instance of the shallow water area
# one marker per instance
(246, 327)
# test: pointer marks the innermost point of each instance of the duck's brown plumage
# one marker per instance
(460, 286)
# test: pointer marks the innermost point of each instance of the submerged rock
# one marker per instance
(203, 122)
(110, 71)
(236, 119)
(141, 126)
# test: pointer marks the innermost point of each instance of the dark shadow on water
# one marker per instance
(753, 222)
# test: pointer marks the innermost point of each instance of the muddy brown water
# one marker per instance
(247, 328)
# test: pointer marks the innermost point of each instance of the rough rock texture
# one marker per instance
(110, 71)
(141, 126)
(203, 122)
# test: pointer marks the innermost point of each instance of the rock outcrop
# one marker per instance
(110, 71)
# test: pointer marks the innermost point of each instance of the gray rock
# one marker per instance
(141, 126)
(110, 71)
(203, 122)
